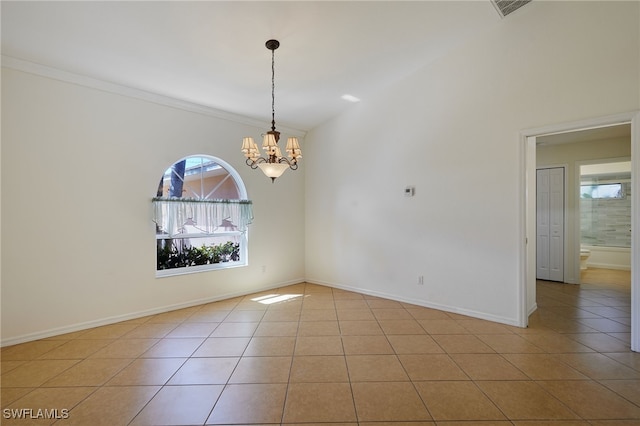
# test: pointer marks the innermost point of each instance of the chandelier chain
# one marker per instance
(273, 91)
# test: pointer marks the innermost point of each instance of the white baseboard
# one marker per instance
(423, 303)
(133, 315)
(608, 266)
(609, 257)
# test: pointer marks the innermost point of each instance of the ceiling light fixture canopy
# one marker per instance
(273, 164)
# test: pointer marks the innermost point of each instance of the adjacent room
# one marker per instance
(196, 198)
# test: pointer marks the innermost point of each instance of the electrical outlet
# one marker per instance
(264, 268)
(420, 279)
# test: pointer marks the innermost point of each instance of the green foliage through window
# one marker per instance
(169, 256)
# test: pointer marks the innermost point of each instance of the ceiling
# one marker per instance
(212, 53)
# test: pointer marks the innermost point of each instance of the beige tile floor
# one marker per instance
(332, 356)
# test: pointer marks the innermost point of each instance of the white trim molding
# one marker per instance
(635, 234)
(131, 92)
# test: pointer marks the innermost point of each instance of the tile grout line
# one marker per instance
(286, 390)
(174, 373)
(187, 358)
(344, 356)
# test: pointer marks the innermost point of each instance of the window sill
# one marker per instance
(198, 268)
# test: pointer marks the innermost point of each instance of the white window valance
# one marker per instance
(176, 216)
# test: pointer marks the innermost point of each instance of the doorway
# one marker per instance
(604, 210)
(530, 139)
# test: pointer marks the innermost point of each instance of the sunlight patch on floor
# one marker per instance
(275, 298)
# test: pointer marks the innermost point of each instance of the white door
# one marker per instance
(550, 224)
(542, 224)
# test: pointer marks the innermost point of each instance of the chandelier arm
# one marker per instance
(293, 164)
(254, 163)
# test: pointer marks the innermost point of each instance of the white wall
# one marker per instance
(79, 168)
(452, 130)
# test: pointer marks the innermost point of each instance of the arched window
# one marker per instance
(201, 213)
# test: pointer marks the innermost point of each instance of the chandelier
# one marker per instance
(273, 164)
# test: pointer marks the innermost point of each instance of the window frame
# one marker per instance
(242, 237)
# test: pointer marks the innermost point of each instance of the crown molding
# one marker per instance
(132, 92)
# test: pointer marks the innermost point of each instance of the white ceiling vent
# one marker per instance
(505, 7)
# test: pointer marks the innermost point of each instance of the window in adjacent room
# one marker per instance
(602, 191)
(202, 214)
